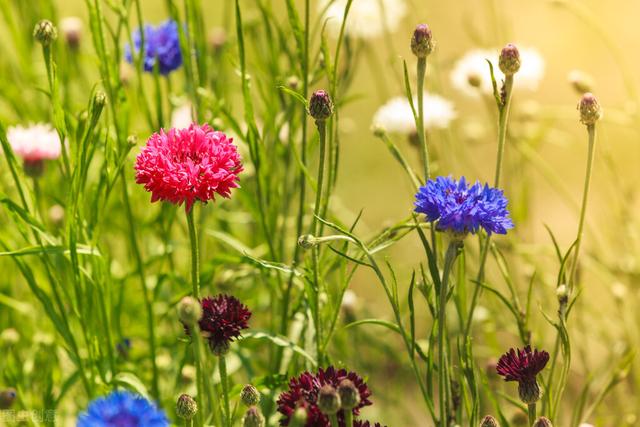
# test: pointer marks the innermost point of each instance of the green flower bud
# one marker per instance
(186, 407)
(489, 421)
(349, 394)
(253, 418)
(250, 395)
(328, 400)
(307, 241)
(189, 311)
(45, 32)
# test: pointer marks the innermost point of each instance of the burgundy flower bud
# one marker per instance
(45, 32)
(523, 366)
(489, 421)
(543, 422)
(590, 110)
(509, 61)
(422, 42)
(320, 105)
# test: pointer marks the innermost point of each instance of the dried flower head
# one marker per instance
(223, 319)
(185, 165)
(123, 408)
(461, 209)
(186, 407)
(523, 366)
(422, 42)
(45, 32)
(304, 392)
(509, 60)
(590, 110)
(161, 47)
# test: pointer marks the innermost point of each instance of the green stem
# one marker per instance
(200, 377)
(333, 418)
(422, 68)
(532, 413)
(225, 390)
(443, 377)
(195, 259)
(348, 418)
(591, 129)
(322, 131)
(503, 121)
(148, 301)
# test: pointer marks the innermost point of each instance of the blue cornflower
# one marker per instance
(161, 42)
(122, 409)
(462, 209)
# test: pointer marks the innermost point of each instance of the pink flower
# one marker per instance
(185, 165)
(34, 143)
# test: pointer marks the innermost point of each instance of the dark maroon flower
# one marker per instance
(360, 423)
(223, 318)
(523, 366)
(303, 392)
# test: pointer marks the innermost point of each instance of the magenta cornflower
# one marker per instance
(186, 165)
(523, 366)
(223, 319)
(303, 392)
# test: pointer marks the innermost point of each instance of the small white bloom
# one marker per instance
(367, 19)
(181, 117)
(586, 425)
(471, 73)
(35, 142)
(396, 115)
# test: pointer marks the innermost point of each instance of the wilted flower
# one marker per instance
(161, 44)
(367, 19)
(223, 318)
(122, 408)
(304, 392)
(185, 165)
(396, 116)
(471, 73)
(461, 209)
(34, 144)
(523, 366)
(186, 407)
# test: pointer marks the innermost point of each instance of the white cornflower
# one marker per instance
(367, 19)
(471, 73)
(396, 115)
(34, 143)
(181, 116)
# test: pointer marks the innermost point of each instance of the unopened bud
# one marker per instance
(189, 311)
(590, 110)
(307, 241)
(7, 397)
(489, 421)
(349, 395)
(71, 28)
(250, 395)
(509, 61)
(253, 418)
(132, 140)
(293, 82)
(186, 407)
(562, 292)
(328, 400)
(422, 42)
(299, 417)
(378, 130)
(320, 105)
(543, 422)
(45, 32)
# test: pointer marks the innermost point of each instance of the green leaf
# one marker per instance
(279, 341)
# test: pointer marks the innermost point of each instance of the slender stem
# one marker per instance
(322, 131)
(200, 377)
(422, 68)
(532, 413)
(503, 121)
(348, 418)
(195, 258)
(225, 390)
(148, 299)
(443, 377)
(333, 418)
(591, 129)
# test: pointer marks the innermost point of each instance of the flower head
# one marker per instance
(320, 105)
(509, 60)
(223, 318)
(304, 392)
(589, 108)
(122, 409)
(367, 19)
(422, 43)
(185, 165)
(523, 366)
(34, 144)
(462, 209)
(471, 74)
(396, 116)
(161, 43)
